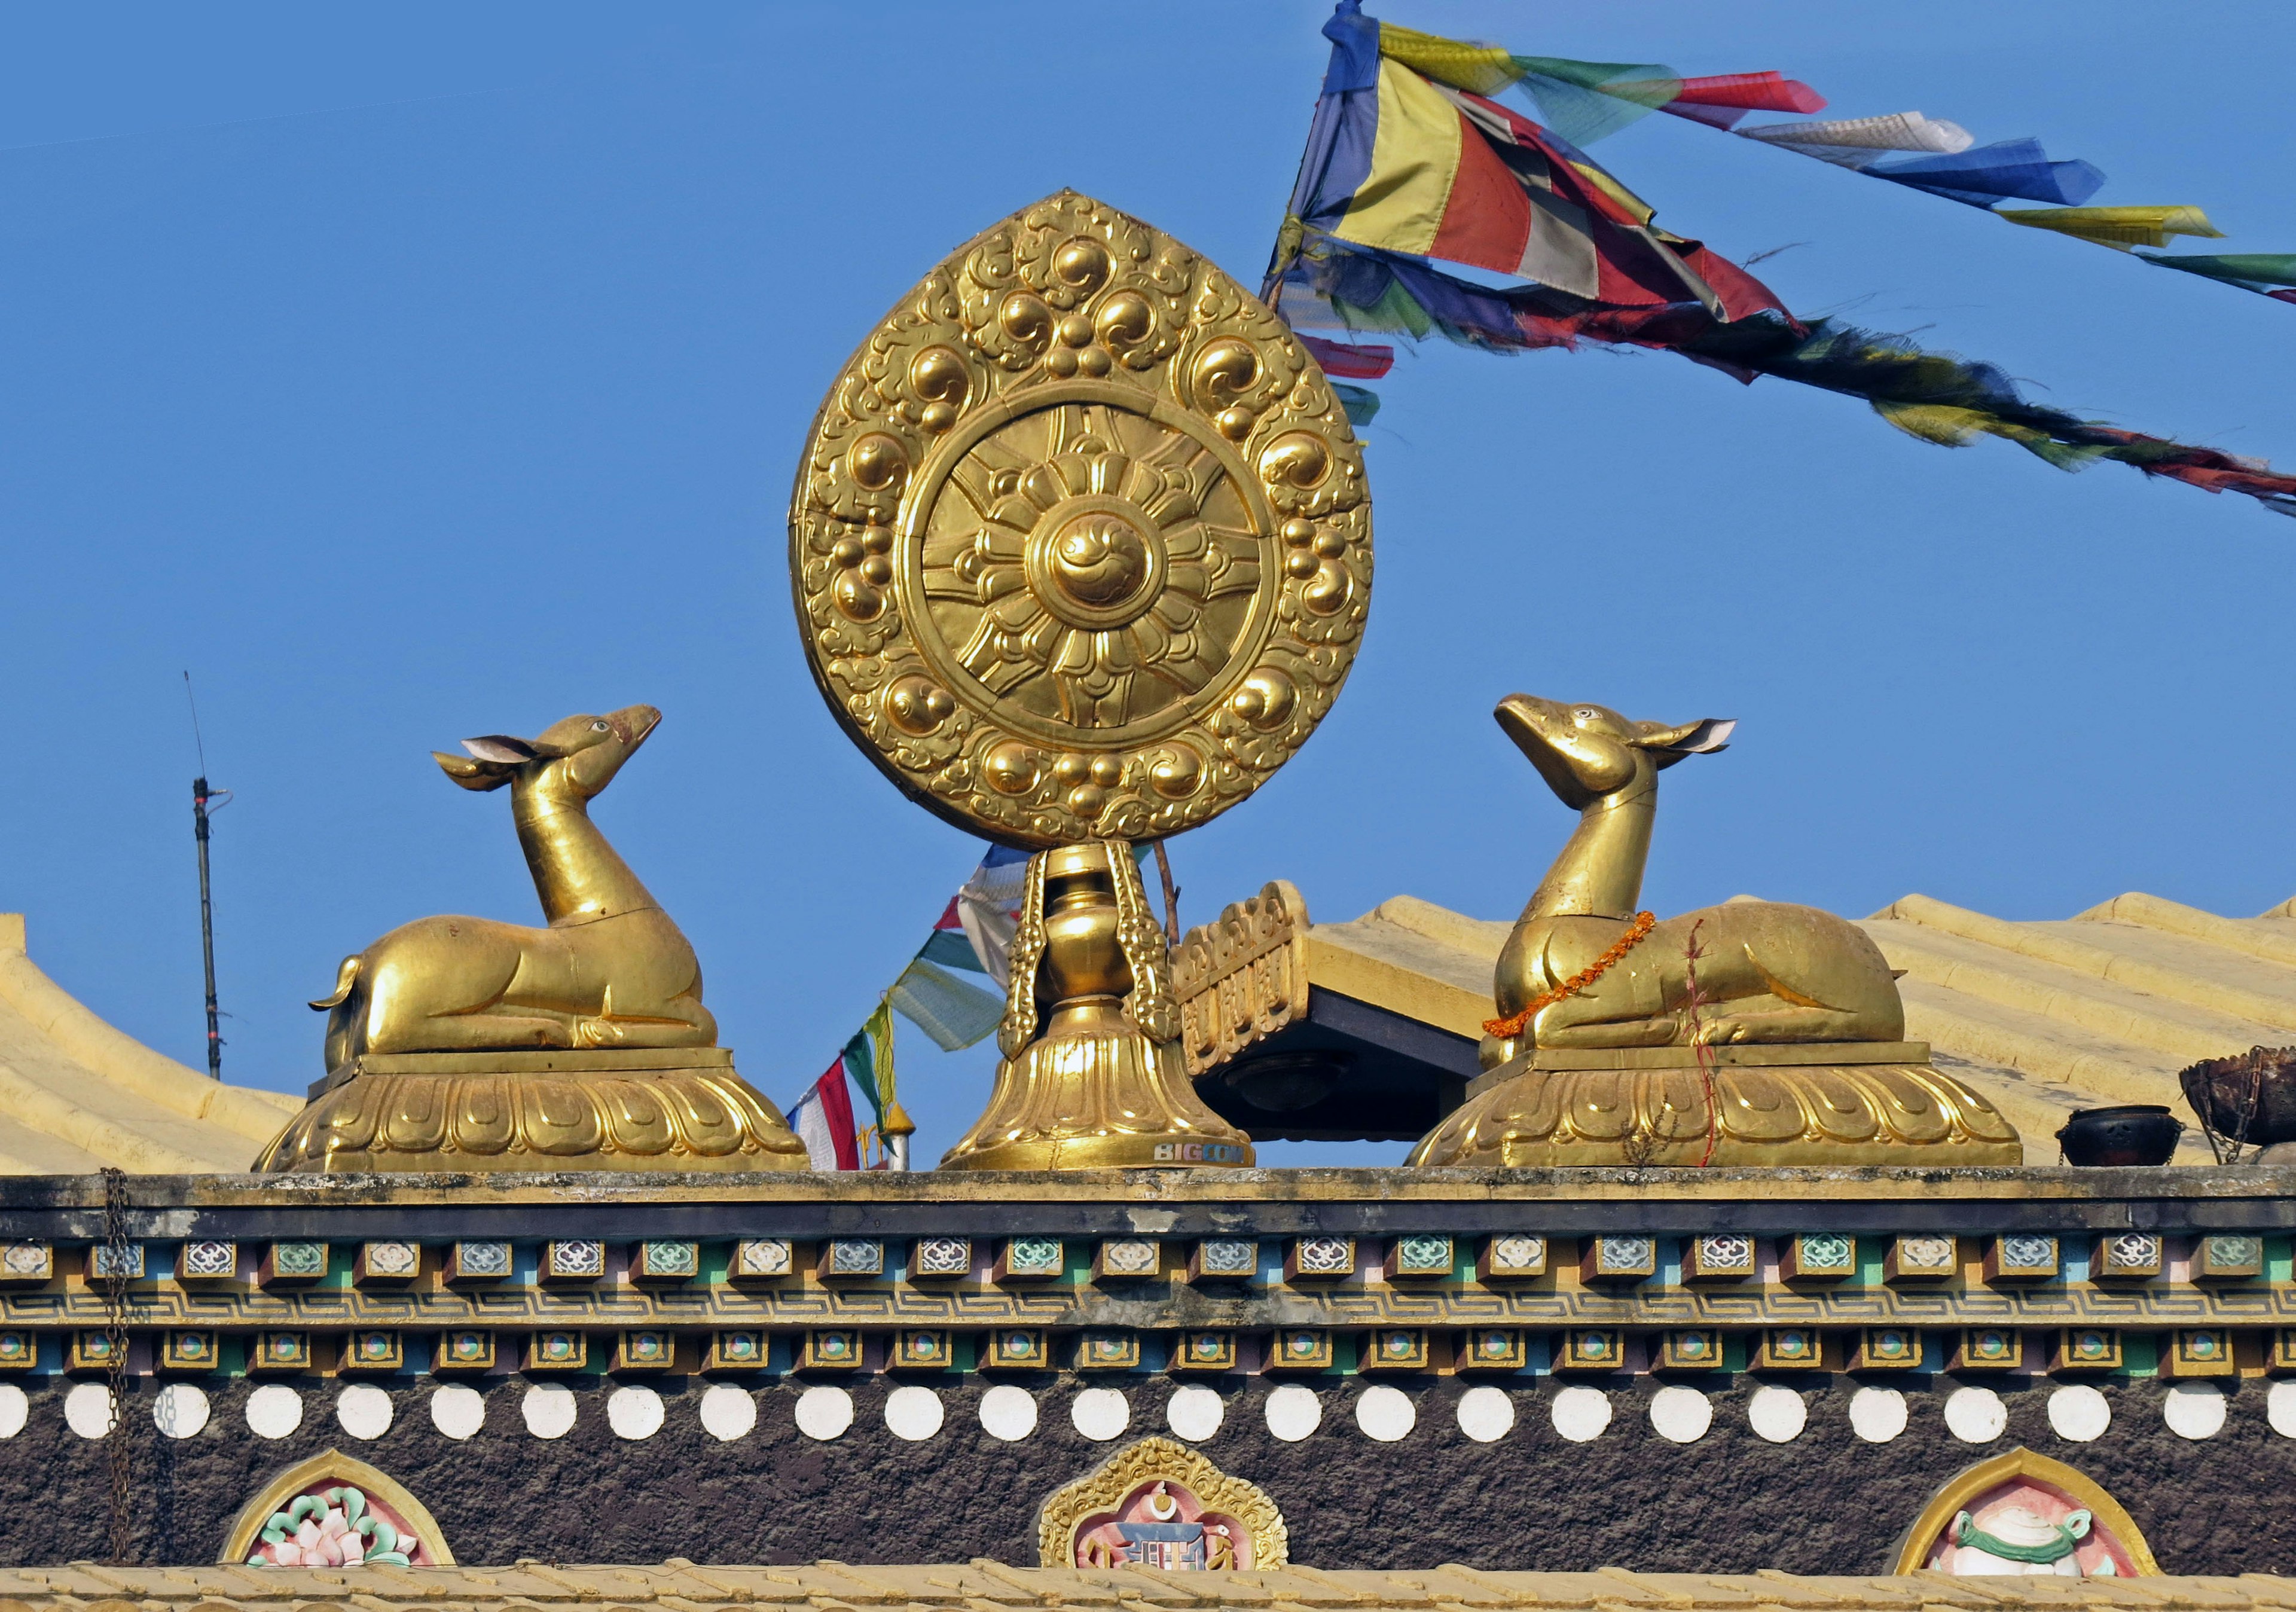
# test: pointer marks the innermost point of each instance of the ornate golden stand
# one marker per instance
(1818, 1102)
(1092, 1075)
(675, 1109)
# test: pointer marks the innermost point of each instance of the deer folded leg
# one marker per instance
(1555, 1028)
(473, 1032)
(1770, 1018)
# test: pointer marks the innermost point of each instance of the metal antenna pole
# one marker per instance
(200, 798)
(207, 925)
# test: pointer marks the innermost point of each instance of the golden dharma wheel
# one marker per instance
(1080, 541)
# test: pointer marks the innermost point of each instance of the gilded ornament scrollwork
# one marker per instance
(1242, 977)
(1142, 940)
(1018, 1028)
(1081, 542)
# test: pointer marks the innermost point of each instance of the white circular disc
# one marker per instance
(364, 1410)
(1292, 1412)
(456, 1410)
(548, 1408)
(1008, 1412)
(179, 1409)
(913, 1414)
(1877, 1415)
(1975, 1416)
(1680, 1415)
(273, 1411)
(728, 1413)
(634, 1412)
(87, 1410)
(824, 1412)
(2194, 1410)
(2280, 1409)
(1777, 1413)
(13, 1409)
(1195, 1412)
(1385, 1413)
(2079, 1412)
(1486, 1414)
(1100, 1414)
(1580, 1414)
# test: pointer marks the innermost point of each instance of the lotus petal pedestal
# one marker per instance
(679, 1108)
(1814, 1103)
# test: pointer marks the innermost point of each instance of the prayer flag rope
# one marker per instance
(1579, 103)
(1409, 161)
(1935, 397)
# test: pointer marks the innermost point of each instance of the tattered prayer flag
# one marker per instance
(1348, 361)
(2266, 274)
(953, 1013)
(1764, 92)
(1409, 166)
(1987, 175)
(868, 1060)
(1400, 168)
(2119, 227)
(823, 1119)
(988, 909)
(1582, 101)
(1854, 142)
(1360, 402)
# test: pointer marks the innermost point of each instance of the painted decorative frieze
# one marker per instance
(333, 1512)
(2025, 1514)
(1159, 1505)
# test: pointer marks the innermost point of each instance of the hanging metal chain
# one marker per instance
(112, 1273)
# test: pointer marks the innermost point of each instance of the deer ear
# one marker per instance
(473, 775)
(1700, 738)
(500, 746)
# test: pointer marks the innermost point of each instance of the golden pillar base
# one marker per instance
(1096, 1102)
(676, 1108)
(1805, 1103)
(1103, 1085)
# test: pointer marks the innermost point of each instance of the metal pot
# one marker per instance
(2251, 1096)
(2137, 1134)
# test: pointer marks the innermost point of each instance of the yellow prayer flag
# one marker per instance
(2118, 227)
(1480, 69)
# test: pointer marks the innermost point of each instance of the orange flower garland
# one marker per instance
(1514, 1023)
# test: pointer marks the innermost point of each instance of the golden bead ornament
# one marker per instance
(1081, 540)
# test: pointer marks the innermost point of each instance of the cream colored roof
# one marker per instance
(77, 1094)
(980, 1584)
(2043, 1017)
(2101, 1008)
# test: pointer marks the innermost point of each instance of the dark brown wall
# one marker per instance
(1731, 1502)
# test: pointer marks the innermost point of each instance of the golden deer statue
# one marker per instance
(611, 970)
(1753, 1033)
(1766, 971)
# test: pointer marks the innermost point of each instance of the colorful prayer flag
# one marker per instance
(1349, 361)
(1585, 101)
(1986, 174)
(1408, 166)
(868, 1060)
(823, 1119)
(1407, 161)
(1855, 142)
(2266, 274)
(2119, 227)
(941, 1004)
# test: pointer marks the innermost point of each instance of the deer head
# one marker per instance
(555, 775)
(1586, 752)
(576, 757)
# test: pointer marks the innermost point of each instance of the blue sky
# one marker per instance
(414, 372)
